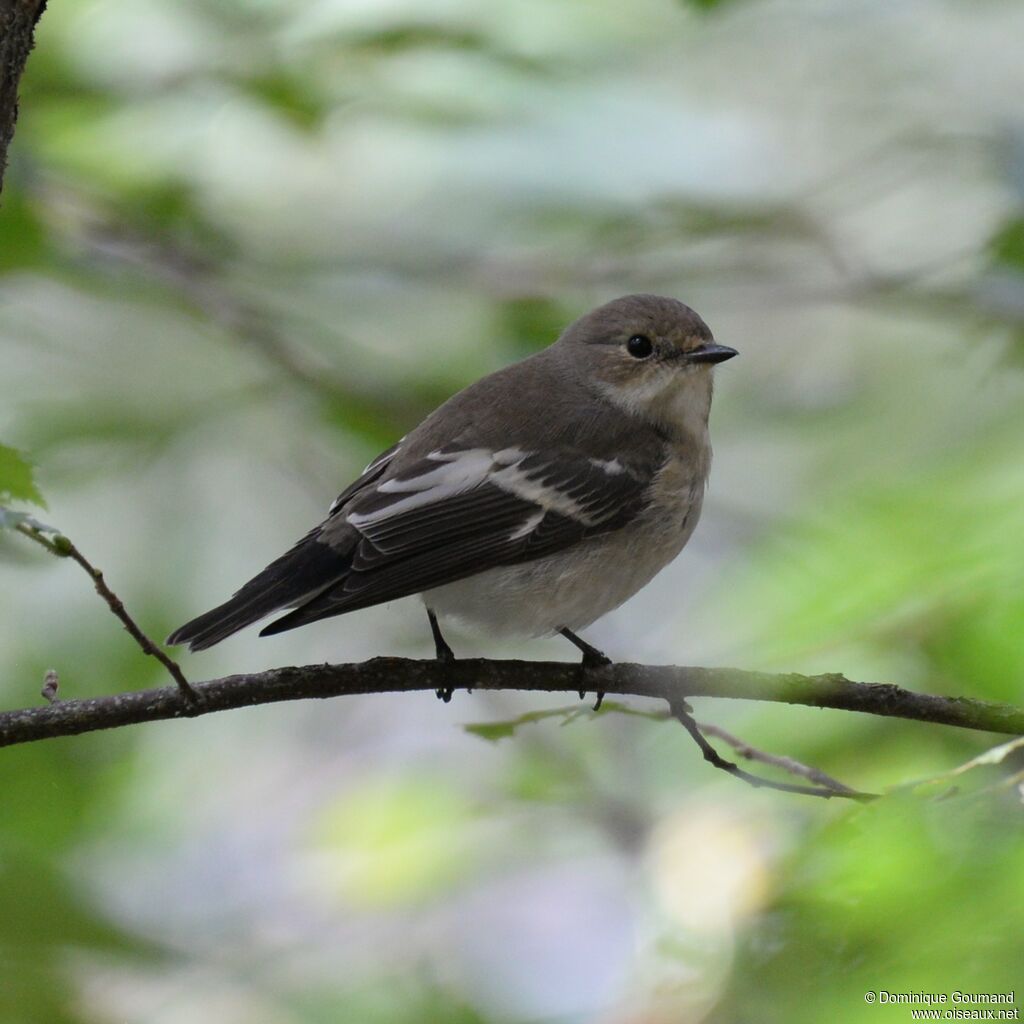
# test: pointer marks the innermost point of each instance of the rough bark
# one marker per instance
(18, 19)
(387, 675)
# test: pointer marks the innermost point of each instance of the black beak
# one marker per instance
(710, 352)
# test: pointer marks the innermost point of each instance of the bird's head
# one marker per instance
(648, 354)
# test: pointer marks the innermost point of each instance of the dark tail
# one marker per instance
(301, 573)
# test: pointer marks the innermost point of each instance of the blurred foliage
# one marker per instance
(704, 5)
(243, 247)
(391, 843)
(1008, 245)
(52, 803)
(864, 903)
(927, 571)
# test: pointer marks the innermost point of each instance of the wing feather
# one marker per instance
(459, 512)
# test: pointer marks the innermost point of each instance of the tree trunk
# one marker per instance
(18, 20)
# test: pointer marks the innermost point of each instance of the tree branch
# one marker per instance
(399, 675)
(62, 547)
(17, 29)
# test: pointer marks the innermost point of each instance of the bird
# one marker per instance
(530, 503)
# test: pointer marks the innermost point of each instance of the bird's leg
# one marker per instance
(592, 659)
(442, 652)
(441, 649)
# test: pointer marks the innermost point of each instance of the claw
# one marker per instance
(443, 653)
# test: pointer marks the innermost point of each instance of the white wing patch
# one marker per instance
(458, 472)
(523, 485)
(461, 471)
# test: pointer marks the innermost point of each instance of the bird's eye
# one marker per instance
(639, 346)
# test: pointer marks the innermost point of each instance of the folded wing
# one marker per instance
(457, 512)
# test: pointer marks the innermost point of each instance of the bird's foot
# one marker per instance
(445, 657)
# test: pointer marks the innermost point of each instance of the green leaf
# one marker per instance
(494, 731)
(16, 482)
(994, 756)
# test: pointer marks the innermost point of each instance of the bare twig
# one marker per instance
(681, 711)
(786, 764)
(62, 547)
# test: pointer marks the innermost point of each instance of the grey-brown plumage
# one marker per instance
(515, 486)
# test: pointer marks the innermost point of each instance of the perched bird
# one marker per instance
(532, 502)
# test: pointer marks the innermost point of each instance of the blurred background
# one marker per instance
(245, 245)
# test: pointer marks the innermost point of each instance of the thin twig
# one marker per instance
(787, 764)
(681, 711)
(62, 547)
